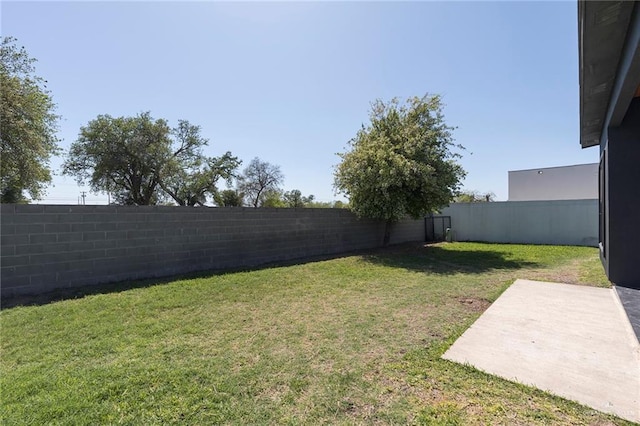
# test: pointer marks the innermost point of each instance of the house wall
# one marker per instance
(563, 222)
(44, 247)
(622, 200)
(577, 182)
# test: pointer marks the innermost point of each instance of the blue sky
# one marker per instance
(292, 82)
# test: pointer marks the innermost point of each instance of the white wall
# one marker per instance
(577, 182)
(560, 222)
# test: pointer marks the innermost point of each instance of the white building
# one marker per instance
(578, 182)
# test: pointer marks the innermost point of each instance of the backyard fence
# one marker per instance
(46, 247)
(557, 222)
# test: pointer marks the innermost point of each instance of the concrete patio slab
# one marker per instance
(573, 341)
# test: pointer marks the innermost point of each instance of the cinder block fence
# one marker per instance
(46, 247)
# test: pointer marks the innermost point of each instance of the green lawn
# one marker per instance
(354, 340)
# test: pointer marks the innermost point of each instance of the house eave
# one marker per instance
(608, 34)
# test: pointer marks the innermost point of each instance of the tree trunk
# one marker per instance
(387, 232)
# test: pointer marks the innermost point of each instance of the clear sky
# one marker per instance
(292, 82)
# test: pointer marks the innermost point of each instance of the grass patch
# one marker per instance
(355, 340)
(591, 271)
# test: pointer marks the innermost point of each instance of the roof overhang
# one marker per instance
(609, 49)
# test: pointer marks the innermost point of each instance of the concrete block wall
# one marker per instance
(557, 222)
(407, 230)
(44, 247)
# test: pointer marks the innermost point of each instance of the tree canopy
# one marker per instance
(28, 126)
(401, 164)
(143, 161)
(189, 177)
(294, 198)
(258, 180)
(273, 198)
(228, 198)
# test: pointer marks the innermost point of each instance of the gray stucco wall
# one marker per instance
(576, 182)
(44, 247)
(564, 222)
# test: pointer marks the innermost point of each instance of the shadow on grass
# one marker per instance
(418, 257)
(78, 292)
(67, 293)
(438, 260)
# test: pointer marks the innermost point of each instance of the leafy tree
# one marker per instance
(142, 161)
(257, 179)
(273, 198)
(123, 156)
(189, 176)
(28, 126)
(294, 198)
(474, 197)
(402, 163)
(228, 198)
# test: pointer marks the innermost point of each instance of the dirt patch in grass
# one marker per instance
(474, 304)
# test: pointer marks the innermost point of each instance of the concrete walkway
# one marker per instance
(573, 341)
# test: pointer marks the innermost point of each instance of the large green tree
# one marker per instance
(28, 126)
(402, 164)
(189, 177)
(123, 156)
(143, 161)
